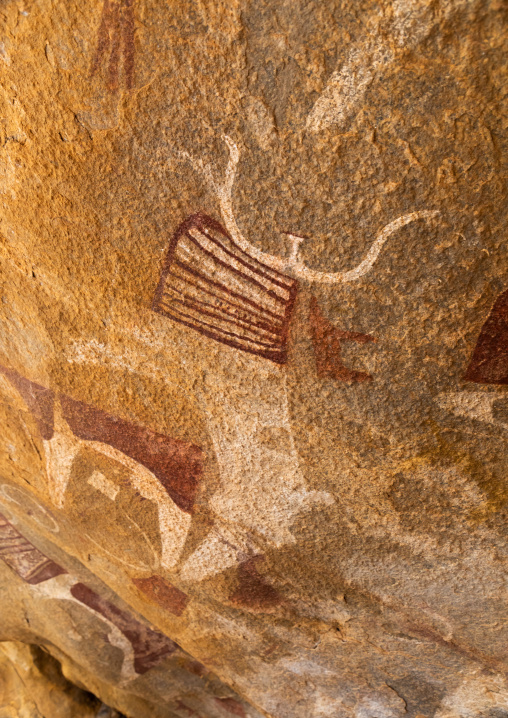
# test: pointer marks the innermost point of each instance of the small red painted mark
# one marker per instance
(116, 38)
(327, 341)
(164, 593)
(196, 667)
(253, 590)
(231, 706)
(489, 363)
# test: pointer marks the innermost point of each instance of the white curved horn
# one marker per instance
(301, 271)
(224, 193)
(292, 265)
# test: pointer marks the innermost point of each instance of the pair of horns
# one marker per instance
(292, 265)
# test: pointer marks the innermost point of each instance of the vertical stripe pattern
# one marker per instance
(214, 287)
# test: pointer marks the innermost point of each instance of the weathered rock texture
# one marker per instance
(254, 357)
(32, 686)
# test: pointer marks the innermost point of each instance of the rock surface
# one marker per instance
(32, 686)
(254, 357)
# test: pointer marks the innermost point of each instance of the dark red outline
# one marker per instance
(202, 222)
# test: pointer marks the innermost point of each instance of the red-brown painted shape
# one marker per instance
(27, 561)
(253, 590)
(150, 647)
(489, 363)
(116, 37)
(197, 668)
(231, 706)
(178, 465)
(164, 593)
(212, 286)
(31, 565)
(327, 340)
(38, 399)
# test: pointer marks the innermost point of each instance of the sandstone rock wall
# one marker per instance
(254, 355)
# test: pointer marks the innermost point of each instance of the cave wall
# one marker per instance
(254, 354)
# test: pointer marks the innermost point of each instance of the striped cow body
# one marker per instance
(211, 285)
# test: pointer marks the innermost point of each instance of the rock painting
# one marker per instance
(327, 341)
(218, 283)
(31, 508)
(262, 486)
(409, 23)
(292, 266)
(163, 470)
(39, 400)
(253, 591)
(213, 286)
(163, 593)
(141, 646)
(181, 706)
(149, 647)
(115, 42)
(20, 555)
(489, 363)
(177, 465)
(481, 406)
(130, 536)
